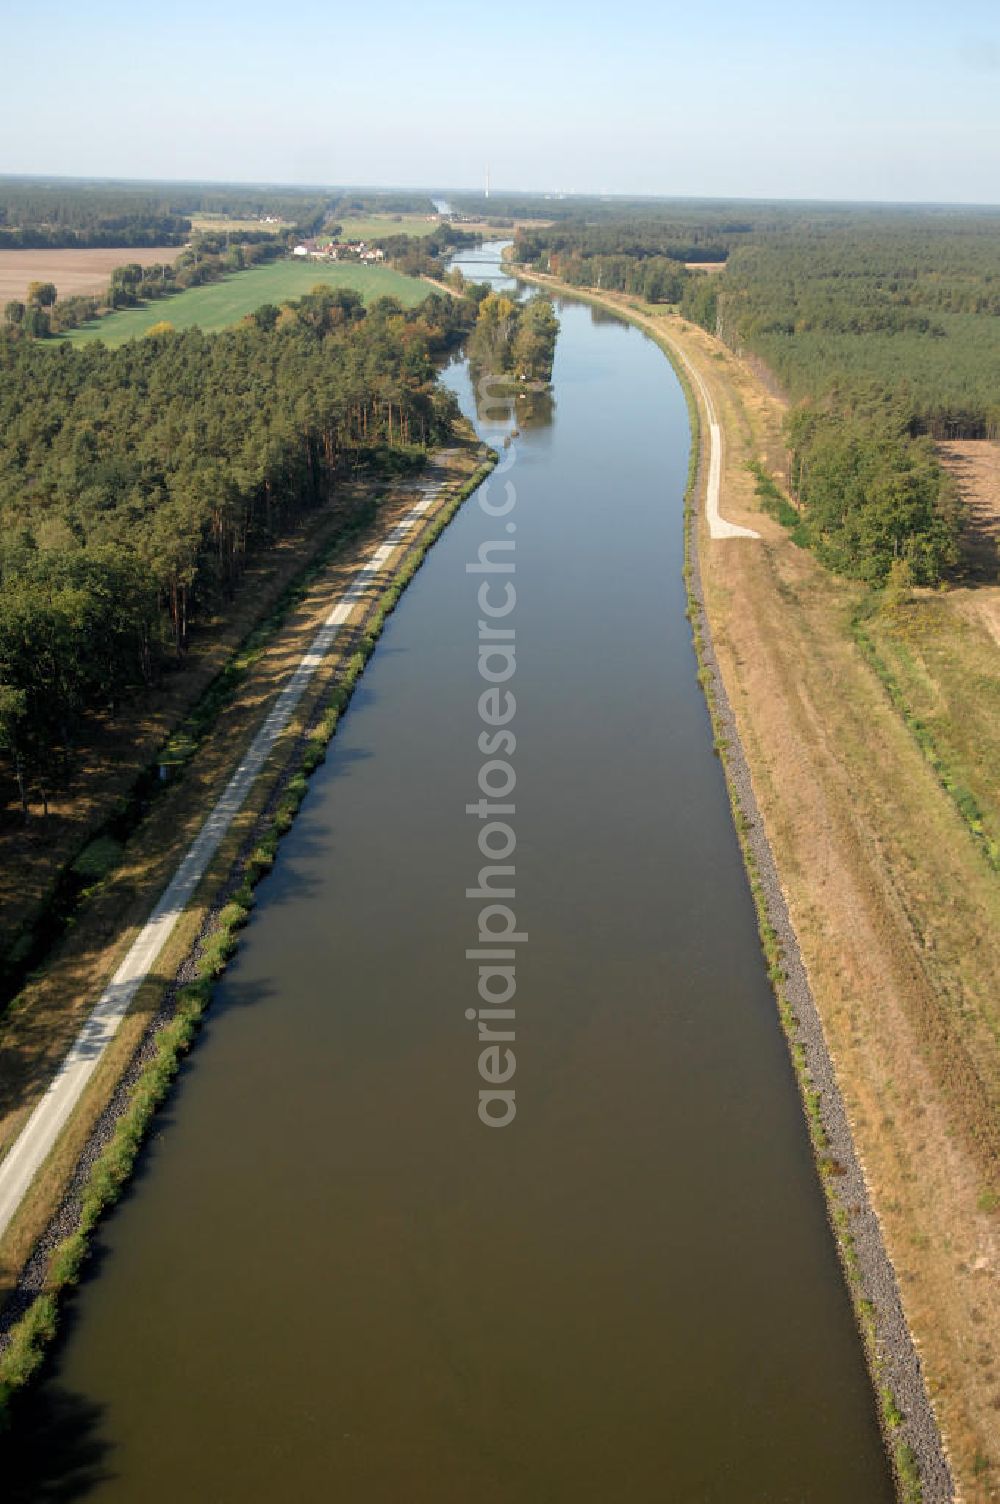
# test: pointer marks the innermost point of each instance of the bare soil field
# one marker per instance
(73, 271)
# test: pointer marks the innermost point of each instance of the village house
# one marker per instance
(336, 250)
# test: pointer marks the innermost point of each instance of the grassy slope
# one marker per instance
(944, 667)
(219, 304)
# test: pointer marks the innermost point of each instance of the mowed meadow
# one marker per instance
(216, 305)
(379, 226)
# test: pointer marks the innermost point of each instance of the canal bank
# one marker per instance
(909, 1424)
(83, 1168)
(341, 1279)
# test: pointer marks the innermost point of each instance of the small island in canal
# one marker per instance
(514, 342)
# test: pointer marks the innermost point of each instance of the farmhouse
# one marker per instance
(337, 250)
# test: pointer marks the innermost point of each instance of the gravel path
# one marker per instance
(718, 527)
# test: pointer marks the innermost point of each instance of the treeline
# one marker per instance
(393, 201)
(36, 214)
(137, 231)
(644, 258)
(675, 239)
(657, 279)
(699, 215)
(871, 495)
(512, 339)
(136, 482)
(72, 209)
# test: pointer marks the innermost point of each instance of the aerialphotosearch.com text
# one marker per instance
(497, 934)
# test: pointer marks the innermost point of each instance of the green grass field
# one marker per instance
(376, 226)
(219, 304)
(215, 222)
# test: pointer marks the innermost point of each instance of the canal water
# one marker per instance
(331, 1281)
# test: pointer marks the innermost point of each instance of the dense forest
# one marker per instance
(583, 210)
(882, 325)
(41, 214)
(382, 201)
(134, 483)
(902, 301)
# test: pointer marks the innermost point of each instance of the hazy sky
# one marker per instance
(874, 99)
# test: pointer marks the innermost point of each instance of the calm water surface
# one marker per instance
(330, 1282)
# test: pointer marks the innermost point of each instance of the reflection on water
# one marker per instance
(330, 1281)
(495, 408)
(600, 315)
(510, 412)
(535, 409)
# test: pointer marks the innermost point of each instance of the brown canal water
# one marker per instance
(330, 1281)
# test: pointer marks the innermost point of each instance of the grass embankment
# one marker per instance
(236, 872)
(892, 903)
(834, 1144)
(893, 907)
(216, 305)
(53, 1011)
(816, 1104)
